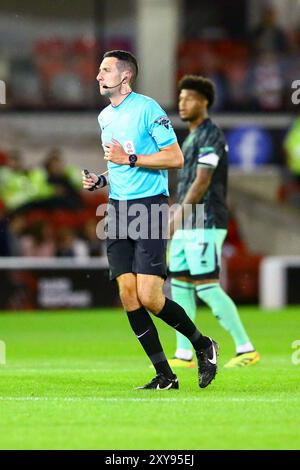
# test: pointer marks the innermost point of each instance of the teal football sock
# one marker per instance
(224, 310)
(184, 294)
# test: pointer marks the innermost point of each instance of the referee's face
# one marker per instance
(109, 75)
(191, 105)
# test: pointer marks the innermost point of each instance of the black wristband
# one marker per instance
(100, 183)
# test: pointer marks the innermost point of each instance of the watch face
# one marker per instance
(132, 158)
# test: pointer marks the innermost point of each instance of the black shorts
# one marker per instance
(134, 247)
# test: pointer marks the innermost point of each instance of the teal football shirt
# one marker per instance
(142, 127)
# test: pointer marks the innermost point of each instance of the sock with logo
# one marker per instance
(174, 315)
(146, 332)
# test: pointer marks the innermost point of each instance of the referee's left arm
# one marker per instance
(169, 157)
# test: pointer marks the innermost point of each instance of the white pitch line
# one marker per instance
(150, 399)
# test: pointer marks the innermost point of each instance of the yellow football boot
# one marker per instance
(243, 360)
(175, 362)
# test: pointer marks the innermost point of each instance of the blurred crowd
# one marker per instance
(43, 211)
(254, 73)
(251, 73)
(58, 74)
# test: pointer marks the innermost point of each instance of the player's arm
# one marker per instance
(169, 157)
(200, 185)
(208, 160)
(195, 194)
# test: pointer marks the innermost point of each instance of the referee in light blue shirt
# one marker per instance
(140, 146)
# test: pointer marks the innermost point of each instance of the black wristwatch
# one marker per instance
(132, 160)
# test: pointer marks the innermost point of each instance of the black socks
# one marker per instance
(146, 332)
(174, 315)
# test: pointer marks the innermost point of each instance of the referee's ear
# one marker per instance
(127, 79)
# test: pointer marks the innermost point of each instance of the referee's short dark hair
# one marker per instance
(127, 58)
(203, 86)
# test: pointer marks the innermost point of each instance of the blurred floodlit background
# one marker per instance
(49, 56)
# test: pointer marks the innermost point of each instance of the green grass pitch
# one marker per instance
(69, 380)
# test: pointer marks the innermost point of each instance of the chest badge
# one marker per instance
(129, 147)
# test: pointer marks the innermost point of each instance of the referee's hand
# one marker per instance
(115, 153)
(88, 181)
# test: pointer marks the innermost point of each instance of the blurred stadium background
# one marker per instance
(49, 56)
(64, 369)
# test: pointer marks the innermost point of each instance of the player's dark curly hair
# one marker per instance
(202, 85)
(128, 60)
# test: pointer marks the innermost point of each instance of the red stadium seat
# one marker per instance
(3, 158)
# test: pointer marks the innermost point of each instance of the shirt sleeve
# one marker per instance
(159, 125)
(210, 154)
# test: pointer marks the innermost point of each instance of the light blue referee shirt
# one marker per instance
(142, 127)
